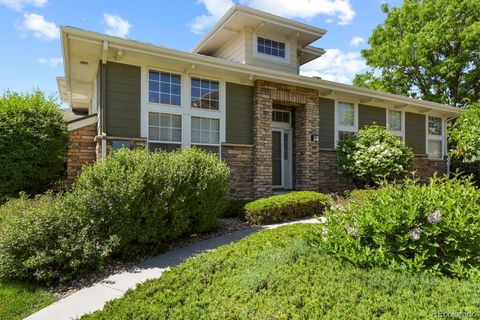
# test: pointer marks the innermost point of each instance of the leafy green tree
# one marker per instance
(427, 49)
(465, 133)
(33, 143)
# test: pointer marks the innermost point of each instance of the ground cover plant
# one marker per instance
(432, 228)
(130, 203)
(276, 274)
(18, 300)
(33, 143)
(373, 155)
(285, 207)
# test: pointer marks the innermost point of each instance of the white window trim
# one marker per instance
(163, 141)
(206, 144)
(398, 133)
(338, 127)
(185, 109)
(182, 89)
(265, 56)
(441, 137)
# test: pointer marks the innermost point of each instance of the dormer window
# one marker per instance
(271, 47)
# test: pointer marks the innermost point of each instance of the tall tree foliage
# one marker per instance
(428, 49)
(33, 143)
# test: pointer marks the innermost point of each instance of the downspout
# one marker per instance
(104, 98)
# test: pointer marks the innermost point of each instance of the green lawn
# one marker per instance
(20, 300)
(275, 275)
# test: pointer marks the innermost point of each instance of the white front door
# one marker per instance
(282, 161)
(278, 175)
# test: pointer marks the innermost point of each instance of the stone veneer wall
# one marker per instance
(81, 150)
(305, 102)
(426, 168)
(331, 179)
(239, 159)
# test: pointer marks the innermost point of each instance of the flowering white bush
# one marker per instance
(374, 155)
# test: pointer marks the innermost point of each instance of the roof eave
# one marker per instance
(261, 15)
(253, 71)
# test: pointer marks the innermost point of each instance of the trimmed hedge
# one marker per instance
(275, 274)
(235, 208)
(285, 207)
(33, 144)
(127, 204)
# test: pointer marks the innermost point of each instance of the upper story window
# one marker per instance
(346, 120)
(164, 88)
(205, 94)
(435, 137)
(271, 47)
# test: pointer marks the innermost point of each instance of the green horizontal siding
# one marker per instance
(239, 114)
(327, 123)
(368, 115)
(122, 88)
(415, 132)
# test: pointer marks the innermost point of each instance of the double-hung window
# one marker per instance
(164, 131)
(271, 47)
(435, 137)
(346, 120)
(206, 133)
(395, 123)
(164, 88)
(205, 94)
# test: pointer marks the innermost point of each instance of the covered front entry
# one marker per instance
(282, 162)
(285, 154)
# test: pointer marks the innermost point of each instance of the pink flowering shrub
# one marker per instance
(432, 228)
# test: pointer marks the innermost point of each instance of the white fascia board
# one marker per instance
(80, 123)
(251, 71)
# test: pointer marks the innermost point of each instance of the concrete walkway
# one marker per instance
(94, 298)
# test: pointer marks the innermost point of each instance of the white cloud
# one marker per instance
(19, 4)
(40, 28)
(335, 65)
(116, 26)
(341, 10)
(215, 8)
(51, 62)
(356, 41)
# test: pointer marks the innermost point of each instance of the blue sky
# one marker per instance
(31, 55)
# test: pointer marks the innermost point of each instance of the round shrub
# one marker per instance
(373, 155)
(148, 199)
(42, 240)
(432, 228)
(131, 202)
(285, 207)
(33, 143)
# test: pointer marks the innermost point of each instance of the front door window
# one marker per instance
(277, 158)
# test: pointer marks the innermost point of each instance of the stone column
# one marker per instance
(262, 133)
(306, 151)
